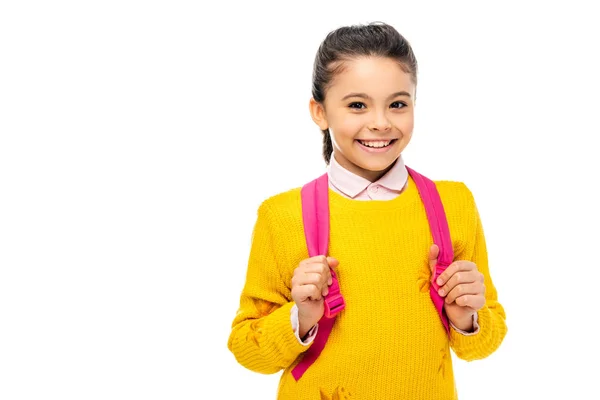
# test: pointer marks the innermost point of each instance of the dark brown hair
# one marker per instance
(376, 39)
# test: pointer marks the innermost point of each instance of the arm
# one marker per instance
(262, 338)
(491, 317)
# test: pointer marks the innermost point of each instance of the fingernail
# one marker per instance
(442, 292)
(439, 281)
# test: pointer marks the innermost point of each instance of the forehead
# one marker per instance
(375, 76)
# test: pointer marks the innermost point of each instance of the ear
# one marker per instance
(317, 112)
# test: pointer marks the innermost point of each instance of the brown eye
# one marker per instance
(356, 105)
(398, 104)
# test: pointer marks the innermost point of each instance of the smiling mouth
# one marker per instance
(377, 144)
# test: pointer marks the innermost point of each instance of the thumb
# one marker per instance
(434, 252)
(332, 262)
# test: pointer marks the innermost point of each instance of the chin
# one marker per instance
(377, 166)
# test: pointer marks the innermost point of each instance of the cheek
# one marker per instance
(406, 124)
(344, 128)
(350, 126)
(408, 128)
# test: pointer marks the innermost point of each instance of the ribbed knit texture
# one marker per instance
(389, 342)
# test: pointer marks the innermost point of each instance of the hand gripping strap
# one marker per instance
(315, 215)
(441, 236)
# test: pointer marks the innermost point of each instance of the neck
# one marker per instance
(371, 176)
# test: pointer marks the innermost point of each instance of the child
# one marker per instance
(388, 343)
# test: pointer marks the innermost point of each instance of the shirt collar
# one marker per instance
(351, 184)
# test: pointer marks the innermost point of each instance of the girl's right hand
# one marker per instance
(310, 283)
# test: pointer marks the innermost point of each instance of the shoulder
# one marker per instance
(282, 201)
(459, 203)
(281, 208)
(454, 191)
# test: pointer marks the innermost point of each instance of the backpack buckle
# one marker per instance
(333, 305)
(334, 302)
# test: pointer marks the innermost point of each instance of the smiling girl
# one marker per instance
(388, 343)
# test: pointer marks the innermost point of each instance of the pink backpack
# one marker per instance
(315, 215)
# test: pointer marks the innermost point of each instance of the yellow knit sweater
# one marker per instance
(389, 342)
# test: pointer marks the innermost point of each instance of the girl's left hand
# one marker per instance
(462, 286)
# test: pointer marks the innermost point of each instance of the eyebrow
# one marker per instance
(366, 96)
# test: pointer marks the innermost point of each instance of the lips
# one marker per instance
(377, 144)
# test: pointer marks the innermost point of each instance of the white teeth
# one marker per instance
(379, 143)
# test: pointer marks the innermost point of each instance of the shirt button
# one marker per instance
(374, 188)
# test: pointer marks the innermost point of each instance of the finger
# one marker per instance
(317, 268)
(453, 268)
(309, 278)
(318, 264)
(326, 261)
(314, 260)
(475, 288)
(458, 278)
(312, 278)
(333, 263)
(307, 292)
(434, 252)
(320, 268)
(323, 271)
(474, 302)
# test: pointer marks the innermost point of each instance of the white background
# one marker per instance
(137, 140)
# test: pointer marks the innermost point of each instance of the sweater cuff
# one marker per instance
(279, 328)
(472, 347)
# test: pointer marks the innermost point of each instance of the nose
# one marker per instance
(380, 123)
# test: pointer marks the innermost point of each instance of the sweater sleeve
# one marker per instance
(491, 317)
(262, 338)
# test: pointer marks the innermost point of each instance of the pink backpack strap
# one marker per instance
(315, 216)
(441, 236)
